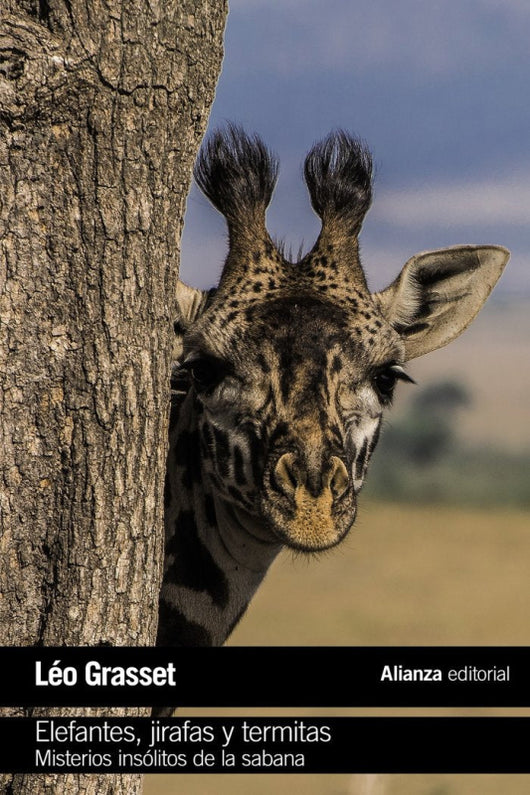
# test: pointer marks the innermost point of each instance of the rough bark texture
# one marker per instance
(102, 107)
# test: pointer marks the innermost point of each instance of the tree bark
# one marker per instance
(102, 108)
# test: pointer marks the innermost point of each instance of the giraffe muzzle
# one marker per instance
(290, 476)
(308, 508)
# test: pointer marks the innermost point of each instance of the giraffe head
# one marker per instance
(292, 364)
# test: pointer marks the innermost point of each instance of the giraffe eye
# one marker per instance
(206, 372)
(385, 381)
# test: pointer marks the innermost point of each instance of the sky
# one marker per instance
(440, 92)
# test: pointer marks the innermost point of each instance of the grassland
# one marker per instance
(405, 576)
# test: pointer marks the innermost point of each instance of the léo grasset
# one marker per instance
(283, 375)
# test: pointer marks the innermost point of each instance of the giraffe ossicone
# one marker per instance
(284, 372)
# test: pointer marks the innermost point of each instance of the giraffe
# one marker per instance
(283, 374)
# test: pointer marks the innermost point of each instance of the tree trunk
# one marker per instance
(102, 108)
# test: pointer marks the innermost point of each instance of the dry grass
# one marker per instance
(338, 785)
(405, 576)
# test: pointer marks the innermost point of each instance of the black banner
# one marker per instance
(266, 676)
(265, 745)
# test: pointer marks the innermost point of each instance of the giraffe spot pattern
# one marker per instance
(361, 460)
(209, 510)
(222, 452)
(174, 629)
(193, 566)
(297, 332)
(187, 457)
(239, 466)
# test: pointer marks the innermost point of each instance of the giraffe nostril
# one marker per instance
(338, 479)
(287, 474)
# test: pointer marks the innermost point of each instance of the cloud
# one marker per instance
(299, 6)
(480, 203)
(436, 39)
(516, 6)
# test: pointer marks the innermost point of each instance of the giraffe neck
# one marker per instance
(216, 557)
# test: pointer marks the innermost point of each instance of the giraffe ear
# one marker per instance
(438, 293)
(190, 303)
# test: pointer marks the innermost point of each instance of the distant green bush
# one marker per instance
(421, 458)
